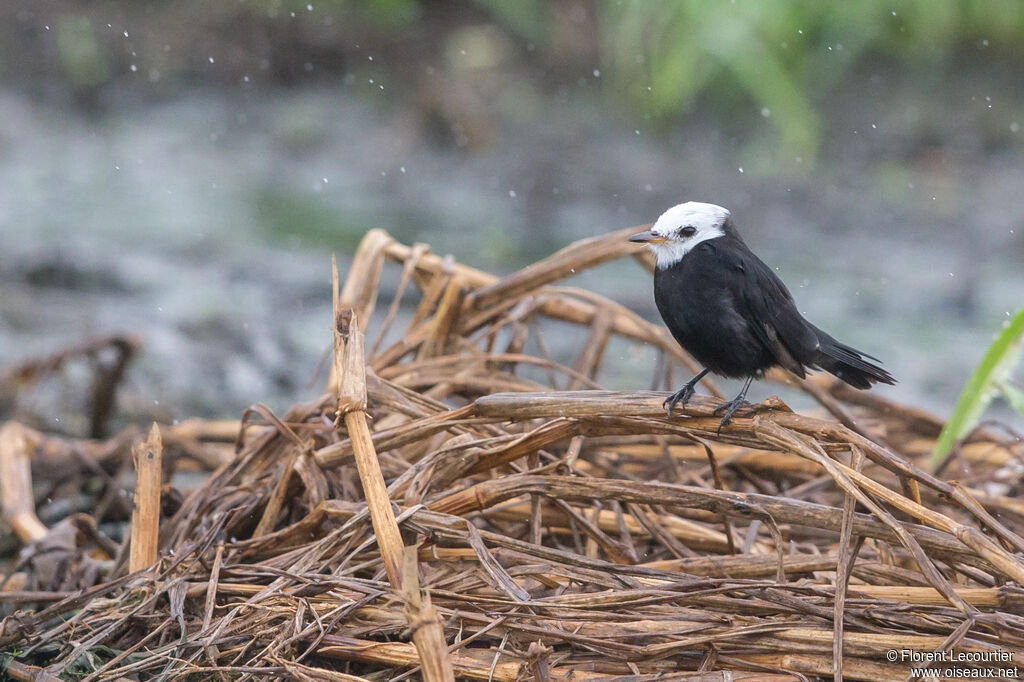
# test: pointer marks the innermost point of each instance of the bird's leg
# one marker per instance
(736, 403)
(684, 394)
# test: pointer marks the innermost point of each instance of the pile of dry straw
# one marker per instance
(439, 513)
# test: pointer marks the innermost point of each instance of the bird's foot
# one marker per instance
(730, 409)
(680, 397)
(683, 395)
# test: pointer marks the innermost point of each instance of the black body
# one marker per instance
(733, 314)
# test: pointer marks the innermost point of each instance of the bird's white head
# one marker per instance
(681, 228)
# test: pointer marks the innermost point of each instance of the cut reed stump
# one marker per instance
(447, 508)
(16, 497)
(148, 459)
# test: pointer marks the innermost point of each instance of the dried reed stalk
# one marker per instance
(428, 633)
(444, 508)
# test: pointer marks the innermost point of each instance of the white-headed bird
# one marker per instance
(731, 312)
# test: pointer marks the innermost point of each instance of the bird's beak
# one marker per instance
(647, 237)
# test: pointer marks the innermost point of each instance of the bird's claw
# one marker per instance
(680, 397)
(730, 409)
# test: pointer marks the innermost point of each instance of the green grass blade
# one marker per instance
(989, 378)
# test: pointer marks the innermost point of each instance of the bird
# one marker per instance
(732, 313)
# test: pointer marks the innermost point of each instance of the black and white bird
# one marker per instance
(731, 312)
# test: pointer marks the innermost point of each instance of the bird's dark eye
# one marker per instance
(688, 231)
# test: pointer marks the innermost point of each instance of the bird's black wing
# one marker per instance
(768, 308)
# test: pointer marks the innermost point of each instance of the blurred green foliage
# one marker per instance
(529, 18)
(766, 62)
(781, 57)
(84, 62)
(776, 58)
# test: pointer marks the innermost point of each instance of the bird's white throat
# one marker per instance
(668, 254)
(707, 221)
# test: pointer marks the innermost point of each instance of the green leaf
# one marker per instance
(80, 53)
(990, 377)
(531, 19)
(1013, 395)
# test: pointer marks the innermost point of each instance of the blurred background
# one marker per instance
(183, 170)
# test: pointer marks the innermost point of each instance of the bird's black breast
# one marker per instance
(730, 311)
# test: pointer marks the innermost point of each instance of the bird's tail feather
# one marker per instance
(849, 364)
